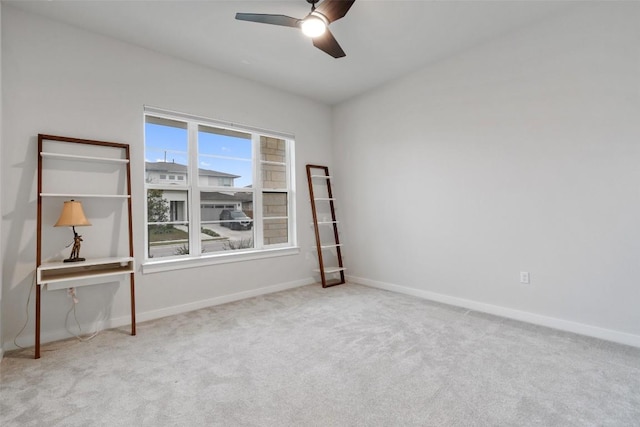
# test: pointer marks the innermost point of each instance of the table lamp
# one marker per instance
(72, 216)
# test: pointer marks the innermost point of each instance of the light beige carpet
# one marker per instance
(343, 356)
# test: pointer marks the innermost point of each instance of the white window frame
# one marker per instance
(193, 189)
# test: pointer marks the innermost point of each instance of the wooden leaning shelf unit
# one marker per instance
(325, 225)
(59, 159)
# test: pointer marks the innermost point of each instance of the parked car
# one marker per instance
(235, 220)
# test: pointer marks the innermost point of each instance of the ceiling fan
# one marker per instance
(314, 25)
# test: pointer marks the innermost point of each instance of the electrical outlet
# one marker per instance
(524, 277)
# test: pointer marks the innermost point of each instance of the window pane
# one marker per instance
(274, 176)
(276, 223)
(168, 226)
(224, 158)
(273, 156)
(227, 221)
(166, 143)
(272, 149)
(276, 231)
(274, 204)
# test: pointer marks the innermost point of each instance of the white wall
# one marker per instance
(64, 81)
(519, 155)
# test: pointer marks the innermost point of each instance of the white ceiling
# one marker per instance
(382, 39)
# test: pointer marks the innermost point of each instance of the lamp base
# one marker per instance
(74, 259)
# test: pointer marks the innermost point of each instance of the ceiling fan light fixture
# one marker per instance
(313, 26)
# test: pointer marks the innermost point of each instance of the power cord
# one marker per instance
(74, 301)
(15, 339)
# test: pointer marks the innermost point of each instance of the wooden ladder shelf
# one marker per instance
(325, 226)
(58, 180)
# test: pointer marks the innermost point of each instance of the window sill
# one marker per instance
(176, 264)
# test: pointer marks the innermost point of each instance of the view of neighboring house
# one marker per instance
(175, 173)
(212, 203)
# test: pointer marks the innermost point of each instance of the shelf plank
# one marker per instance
(58, 275)
(334, 269)
(62, 156)
(102, 196)
(330, 246)
(59, 265)
(328, 270)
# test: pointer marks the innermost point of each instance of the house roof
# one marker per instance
(171, 167)
(221, 196)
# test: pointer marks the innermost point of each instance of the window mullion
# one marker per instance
(258, 223)
(194, 192)
(291, 193)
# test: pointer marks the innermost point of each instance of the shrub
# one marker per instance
(209, 232)
(238, 244)
(184, 250)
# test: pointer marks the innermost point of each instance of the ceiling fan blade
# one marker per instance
(282, 20)
(327, 43)
(334, 9)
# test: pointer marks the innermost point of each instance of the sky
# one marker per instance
(215, 152)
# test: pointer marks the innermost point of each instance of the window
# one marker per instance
(229, 191)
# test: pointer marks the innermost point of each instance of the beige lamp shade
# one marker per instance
(72, 215)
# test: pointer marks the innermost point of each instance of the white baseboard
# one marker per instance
(124, 321)
(524, 316)
(196, 305)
